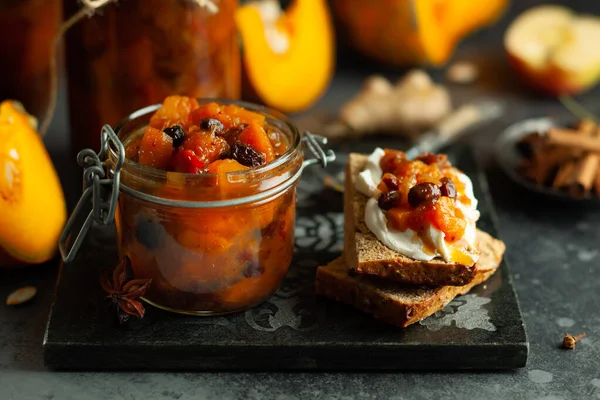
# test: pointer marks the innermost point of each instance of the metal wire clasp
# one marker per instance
(96, 187)
(313, 144)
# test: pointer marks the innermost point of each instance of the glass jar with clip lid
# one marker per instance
(213, 242)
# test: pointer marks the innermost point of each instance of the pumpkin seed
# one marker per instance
(21, 295)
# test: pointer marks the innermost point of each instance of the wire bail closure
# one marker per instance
(312, 143)
(96, 187)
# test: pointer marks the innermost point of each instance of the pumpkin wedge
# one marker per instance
(32, 204)
(413, 32)
(288, 56)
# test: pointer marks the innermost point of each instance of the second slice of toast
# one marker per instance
(396, 303)
(365, 254)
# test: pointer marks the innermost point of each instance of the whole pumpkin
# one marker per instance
(413, 32)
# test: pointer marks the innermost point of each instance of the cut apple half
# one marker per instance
(554, 49)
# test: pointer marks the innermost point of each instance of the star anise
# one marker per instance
(124, 291)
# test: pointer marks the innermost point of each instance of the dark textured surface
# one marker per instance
(552, 249)
(294, 329)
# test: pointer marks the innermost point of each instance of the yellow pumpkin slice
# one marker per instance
(288, 56)
(32, 204)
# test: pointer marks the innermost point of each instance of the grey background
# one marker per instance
(552, 251)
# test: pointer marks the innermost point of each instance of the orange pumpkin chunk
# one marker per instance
(221, 168)
(175, 110)
(210, 110)
(445, 216)
(207, 146)
(225, 166)
(156, 148)
(255, 136)
(240, 116)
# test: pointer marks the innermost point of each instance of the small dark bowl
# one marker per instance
(509, 158)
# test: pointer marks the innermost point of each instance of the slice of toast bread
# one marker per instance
(396, 303)
(365, 254)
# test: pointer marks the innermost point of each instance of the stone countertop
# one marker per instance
(553, 255)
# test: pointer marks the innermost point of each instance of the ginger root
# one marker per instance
(414, 104)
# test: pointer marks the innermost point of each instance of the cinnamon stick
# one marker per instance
(589, 128)
(585, 173)
(570, 138)
(543, 166)
(586, 125)
(564, 176)
(565, 159)
(568, 172)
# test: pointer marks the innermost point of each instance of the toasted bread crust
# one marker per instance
(350, 249)
(387, 264)
(393, 302)
(365, 254)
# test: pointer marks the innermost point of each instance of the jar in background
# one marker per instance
(137, 52)
(27, 29)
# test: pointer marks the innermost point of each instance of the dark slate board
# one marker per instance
(294, 329)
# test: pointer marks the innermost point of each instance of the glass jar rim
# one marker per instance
(289, 155)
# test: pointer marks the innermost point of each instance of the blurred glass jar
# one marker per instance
(137, 52)
(27, 28)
